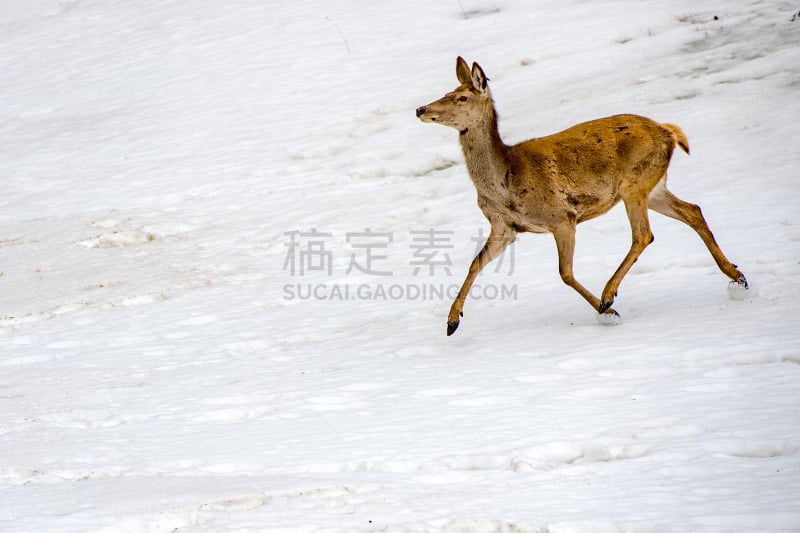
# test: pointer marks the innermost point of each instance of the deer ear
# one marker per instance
(479, 79)
(462, 71)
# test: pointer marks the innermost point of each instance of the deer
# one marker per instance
(551, 184)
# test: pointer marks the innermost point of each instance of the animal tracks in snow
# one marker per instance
(235, 408)
(22, 476)
(116, 239)
(127, 231)
(82, 419)
(250, 501)
(124, 260)
(758, 449)
(383, 160)
(542, 457)
(546, 457)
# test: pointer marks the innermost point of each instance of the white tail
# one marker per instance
(553, 183)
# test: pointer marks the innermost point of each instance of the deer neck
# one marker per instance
(485, 156)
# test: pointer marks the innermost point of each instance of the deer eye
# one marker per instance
(463, 98)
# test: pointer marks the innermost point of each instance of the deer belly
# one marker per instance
(526, 224)
(588, 206)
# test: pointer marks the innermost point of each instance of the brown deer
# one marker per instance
(551, 184)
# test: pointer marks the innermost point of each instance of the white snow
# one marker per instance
(164, 366)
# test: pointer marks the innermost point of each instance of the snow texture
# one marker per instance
(228, 249)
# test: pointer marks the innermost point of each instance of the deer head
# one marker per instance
(469, 104)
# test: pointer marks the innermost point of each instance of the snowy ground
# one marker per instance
(164, 367)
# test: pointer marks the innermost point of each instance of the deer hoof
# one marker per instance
(452, 326)
(609, 318)
(742, 282)
(605, 306)
(739, 289)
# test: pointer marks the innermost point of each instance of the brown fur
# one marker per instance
(550, 184)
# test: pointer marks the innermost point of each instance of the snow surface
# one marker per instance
(162, 370)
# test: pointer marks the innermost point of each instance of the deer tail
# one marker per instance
(678, 136)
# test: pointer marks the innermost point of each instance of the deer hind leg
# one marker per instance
(499, 238)
(641, 236)
(662, 201)
(565, 242)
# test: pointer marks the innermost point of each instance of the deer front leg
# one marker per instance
(565, 243)
(499, 238)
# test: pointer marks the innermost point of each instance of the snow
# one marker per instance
(165, 366)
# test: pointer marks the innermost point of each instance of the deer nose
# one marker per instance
(421, 111)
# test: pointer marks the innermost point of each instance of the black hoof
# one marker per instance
(604, 306)
(742, 281)
(452, 327)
